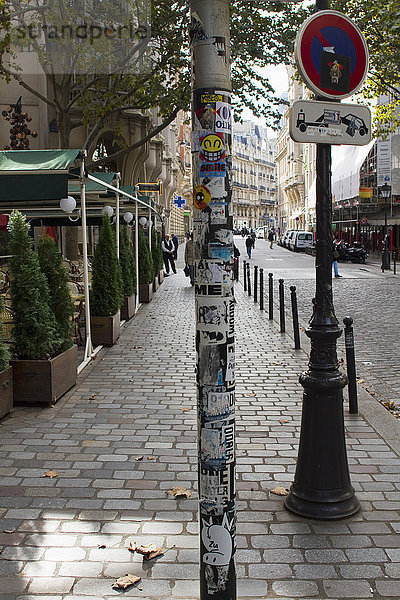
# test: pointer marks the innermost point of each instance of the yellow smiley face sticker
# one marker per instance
(212, 147)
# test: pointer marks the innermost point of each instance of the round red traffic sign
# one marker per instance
(331, 54)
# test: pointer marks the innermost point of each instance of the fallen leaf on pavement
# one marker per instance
(93, 397)
(179, 492)
(276, 363)
(8, 530)
(250, 394)
(282, 421)
(139, 458)
(149, 552)
(50, 474)
(126, 581)
(370, 392)
(151, 458)
(280, 491)
(360, 380)
(185, 409)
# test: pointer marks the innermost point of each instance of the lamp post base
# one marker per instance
(326, 511)
(385, 260)
(322, 487)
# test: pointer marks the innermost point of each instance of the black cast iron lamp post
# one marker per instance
(385, 193)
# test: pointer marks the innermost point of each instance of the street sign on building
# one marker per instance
(384, 161)
(331, 54)
(150, 187)
(329, 123)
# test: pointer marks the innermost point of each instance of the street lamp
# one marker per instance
(385, 193)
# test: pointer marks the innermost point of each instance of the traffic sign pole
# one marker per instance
(321, 487)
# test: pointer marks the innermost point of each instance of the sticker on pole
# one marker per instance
(201, 197)
(331, 54)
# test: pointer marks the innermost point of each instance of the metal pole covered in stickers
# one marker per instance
(214, 256)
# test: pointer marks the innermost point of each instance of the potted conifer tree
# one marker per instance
(6, 383)
(146, 269)
(128, 272)
(106, 294)
(42, 370)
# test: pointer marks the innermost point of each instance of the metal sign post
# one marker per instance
(214, 301)
(322, 487)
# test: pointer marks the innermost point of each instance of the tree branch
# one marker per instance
(30, 89)
(149, 136)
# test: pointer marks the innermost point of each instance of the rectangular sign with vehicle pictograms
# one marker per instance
(329, 123)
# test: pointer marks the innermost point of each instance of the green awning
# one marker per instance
(91, 186)
(34, 175)
(36, 160)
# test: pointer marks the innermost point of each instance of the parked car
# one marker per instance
(300, 240)
(285, 239)
(262, 232)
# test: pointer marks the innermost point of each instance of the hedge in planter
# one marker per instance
(106, 296)
(41, 373)
(50, 260)
(128, 272)
(156, 252)
(146, 268)
(6, 388)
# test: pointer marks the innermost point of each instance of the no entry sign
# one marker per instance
(331, 54)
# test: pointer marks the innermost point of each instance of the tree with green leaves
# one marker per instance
(106, 294)
(379, 20)
(50, 260)
(127, 262)
(155, 74)
(146, 267)
(34, 331)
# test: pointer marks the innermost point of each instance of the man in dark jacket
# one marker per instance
(249, 245)
(175, 242)
(168, 254)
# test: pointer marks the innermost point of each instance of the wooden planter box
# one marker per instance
(6, 392)
(128, 307)
(155, 284)
(105, 330)
(161, 277)
(145, 292)
(44, 381)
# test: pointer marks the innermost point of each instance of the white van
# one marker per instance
(300, 240)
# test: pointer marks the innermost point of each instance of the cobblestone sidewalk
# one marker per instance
(127, 434)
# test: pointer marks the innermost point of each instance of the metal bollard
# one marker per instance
(237, 268)
(248, 280)
(351, 364)
(255, 280)
(245, 276)
(261, 289)
(282, 306)
(295, 316)
(270, 296)
(394, 262)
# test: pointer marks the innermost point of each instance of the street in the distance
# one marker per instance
(363, 292)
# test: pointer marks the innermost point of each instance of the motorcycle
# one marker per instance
(355, 254)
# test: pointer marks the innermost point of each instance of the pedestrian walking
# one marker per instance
(271, 238)
(189, 256)
(249, 245)
(335, 256)
(175, 242)
(168, 254)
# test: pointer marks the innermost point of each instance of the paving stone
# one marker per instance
(348, 589)
(296, 589)
(388, 589)
(61, 585)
